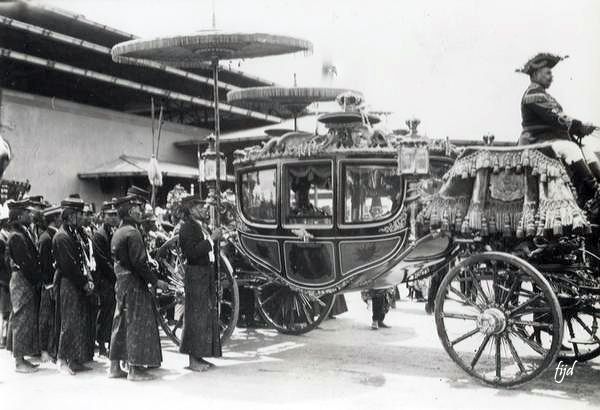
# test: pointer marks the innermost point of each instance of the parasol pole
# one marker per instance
(217, 219)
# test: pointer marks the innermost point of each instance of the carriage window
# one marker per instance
(259, 195)
(310, 195)
(372, 193)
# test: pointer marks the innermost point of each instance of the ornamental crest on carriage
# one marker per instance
(507, 186)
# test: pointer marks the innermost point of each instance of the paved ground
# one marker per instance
(342, 365)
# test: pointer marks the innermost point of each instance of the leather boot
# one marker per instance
(584, 182)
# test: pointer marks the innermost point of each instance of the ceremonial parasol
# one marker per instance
(293, 99)
(211, 46)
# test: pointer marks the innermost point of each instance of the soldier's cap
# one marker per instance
(52, 211)
(540, 60)
(137, 191)
(192, 200)
(72, 202)
(108, 207)
(20, 204)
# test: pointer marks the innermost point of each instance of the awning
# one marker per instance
(128, 166)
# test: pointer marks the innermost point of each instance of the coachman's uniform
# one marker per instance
(135, 337)
(201, 333)
(24, 281)
(75, 343)
(544, 119)
(47, 331)
(104, 280)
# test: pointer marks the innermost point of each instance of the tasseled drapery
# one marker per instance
(541, 201)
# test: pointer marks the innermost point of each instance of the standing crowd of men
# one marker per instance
(69, 286)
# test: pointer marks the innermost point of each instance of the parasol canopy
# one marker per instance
(294, 99)
(188, 51)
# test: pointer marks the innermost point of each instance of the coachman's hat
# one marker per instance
(192, 200)
(540, 60)
(38, 202)
(52, 211)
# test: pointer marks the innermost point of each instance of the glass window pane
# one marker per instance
(259, 195)
(310, 195)
(372, 193)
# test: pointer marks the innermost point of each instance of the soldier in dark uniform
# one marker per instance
(75, 286)
(544, 121)
(104, 277)
(201, 333)
(5, 305)
(135, 337)
(47, 332)
(24, 281)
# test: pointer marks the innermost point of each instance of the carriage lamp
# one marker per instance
(413, 159)
(208, 163)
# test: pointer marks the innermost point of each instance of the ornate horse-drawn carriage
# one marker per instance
(319, 215)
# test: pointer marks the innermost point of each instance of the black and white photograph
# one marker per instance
(299, 204)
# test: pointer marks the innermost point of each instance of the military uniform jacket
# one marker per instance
(104, 265)
(23, 254)
(543, 118)
(129, 254)
(46, 257)
(68, 254)
(4, 266)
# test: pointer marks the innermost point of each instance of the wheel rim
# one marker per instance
(289, 311)
(487, 309)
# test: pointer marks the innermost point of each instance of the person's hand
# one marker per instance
(161, 284)
(216, 234)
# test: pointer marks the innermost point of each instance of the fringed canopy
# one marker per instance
(197, 49)
(514, 191)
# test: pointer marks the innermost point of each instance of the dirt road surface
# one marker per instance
(341, 365)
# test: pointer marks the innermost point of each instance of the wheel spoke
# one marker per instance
(465, 336)
(547, 326)
(484, 343)
(514, 354)
(269, 298)
(464, 298)
(459, 316)
(525, 304)
(498, 358)
(478, 287)
(587, 329)
(533, 345)
(513, 288)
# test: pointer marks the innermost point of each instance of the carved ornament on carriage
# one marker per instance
(396, 225)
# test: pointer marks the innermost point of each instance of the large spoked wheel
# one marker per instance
(487, 311)
(291, 312)
(170, 304)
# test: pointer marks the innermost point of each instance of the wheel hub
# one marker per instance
(491, 321)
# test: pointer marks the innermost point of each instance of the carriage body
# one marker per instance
(323, 218)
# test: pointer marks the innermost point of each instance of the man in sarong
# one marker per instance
(201, 334)
(5, 305)
(47, 331)
(135, 339)
(76, 285)
(104, 277)
(24, 281)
